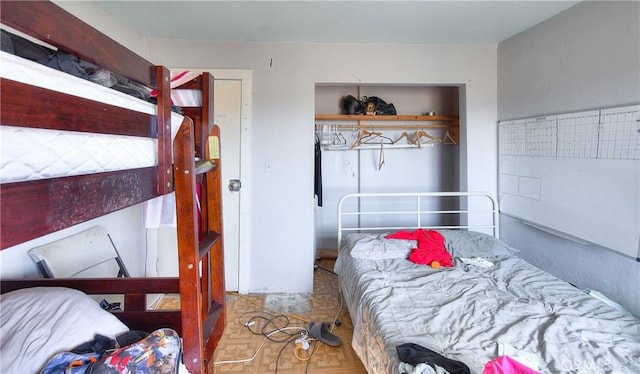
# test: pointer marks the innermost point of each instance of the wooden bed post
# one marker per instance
(216, 253)
(165, 173)
(207, 110)
(188, 253)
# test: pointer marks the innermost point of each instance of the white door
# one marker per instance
(227, 114)
(232, 113)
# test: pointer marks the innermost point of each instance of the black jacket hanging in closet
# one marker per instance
(317, 177)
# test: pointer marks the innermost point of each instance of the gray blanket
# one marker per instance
(474, 314)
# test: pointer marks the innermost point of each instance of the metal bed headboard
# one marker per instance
(458, 217)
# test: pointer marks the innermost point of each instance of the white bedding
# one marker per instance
(471, 314)
(39, 322)
(28, 153)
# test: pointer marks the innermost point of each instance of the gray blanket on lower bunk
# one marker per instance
(473, 314)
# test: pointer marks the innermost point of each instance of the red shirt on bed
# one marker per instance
(430, 247)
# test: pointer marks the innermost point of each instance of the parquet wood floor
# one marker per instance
(239, 343)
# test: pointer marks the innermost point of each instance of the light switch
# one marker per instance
(268, 166)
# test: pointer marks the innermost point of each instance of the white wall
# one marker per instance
(284, 79)
(583, 58)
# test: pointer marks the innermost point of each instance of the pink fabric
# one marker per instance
(178, 79)
(506, 365)
(430, 247)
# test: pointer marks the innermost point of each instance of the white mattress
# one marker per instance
(29, 154)
(473, 314)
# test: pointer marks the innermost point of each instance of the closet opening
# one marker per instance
(415, 151)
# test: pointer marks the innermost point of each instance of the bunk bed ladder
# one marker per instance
(201, 267)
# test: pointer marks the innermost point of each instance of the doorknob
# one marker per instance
(234, 185)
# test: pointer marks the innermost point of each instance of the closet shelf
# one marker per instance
(393, 123)
(385, 127)
(360, 117)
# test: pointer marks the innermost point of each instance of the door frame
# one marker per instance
(244, 215)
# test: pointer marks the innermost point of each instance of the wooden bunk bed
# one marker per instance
(205, 215)
(183, 166)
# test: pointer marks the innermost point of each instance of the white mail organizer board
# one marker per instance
(575, 173)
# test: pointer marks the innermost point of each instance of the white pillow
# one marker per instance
(39, 322)
(376, 247)
(463, 243)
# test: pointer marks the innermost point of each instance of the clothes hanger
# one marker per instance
(339, 139)
(406, 136)
(381, 157)
(362, 135)
(423, 134)
(376, 135)
(448, 139)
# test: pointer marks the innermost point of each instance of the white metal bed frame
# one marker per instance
(419, 212)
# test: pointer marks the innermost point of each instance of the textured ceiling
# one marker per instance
(405, 22)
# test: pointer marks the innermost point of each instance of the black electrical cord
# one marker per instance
(282, 350)
(328, 270)
(267, 324)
